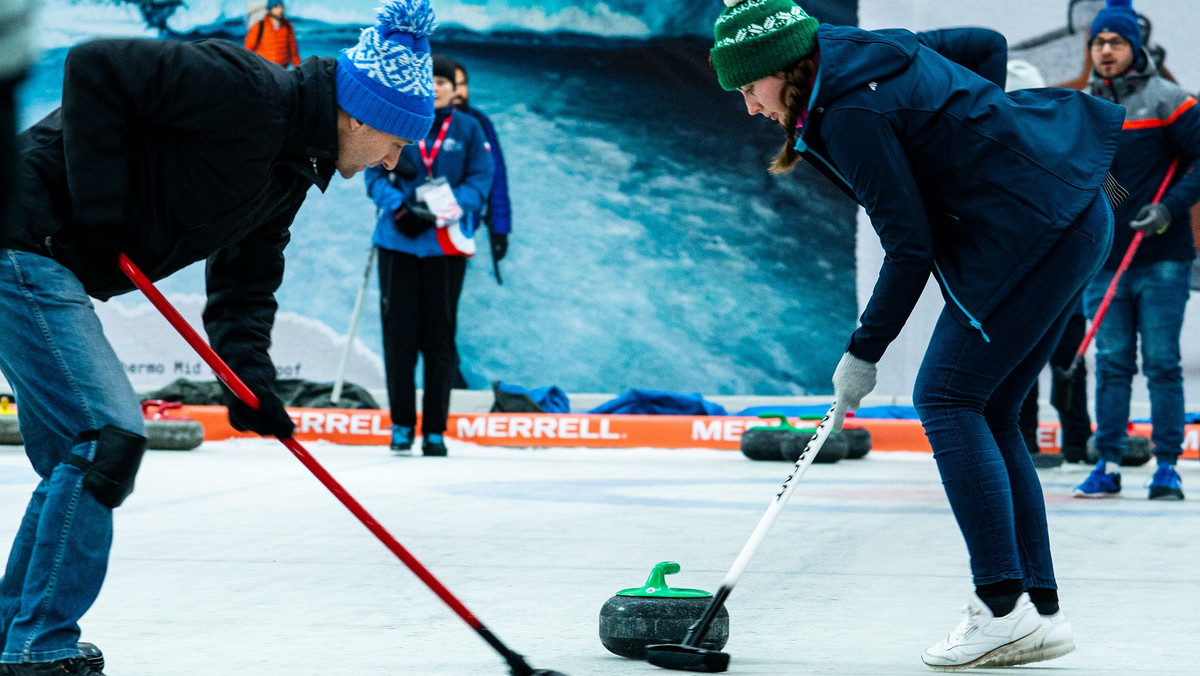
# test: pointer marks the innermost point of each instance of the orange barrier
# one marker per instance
(372, 427)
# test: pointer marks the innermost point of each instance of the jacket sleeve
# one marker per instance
(499, 208)
(472, 192)
(115, 90)
(242, 280)
(867, 153)
(387, 196)
(1185, 136)
(981, 50)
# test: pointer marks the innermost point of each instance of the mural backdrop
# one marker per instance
(650, 248)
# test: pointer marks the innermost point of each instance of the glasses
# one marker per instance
(1115, 43)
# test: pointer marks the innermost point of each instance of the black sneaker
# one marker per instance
(92, 654)
(433, 445)
(72, 666)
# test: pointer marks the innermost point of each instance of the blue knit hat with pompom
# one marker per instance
(1118, 17)
(386, 80)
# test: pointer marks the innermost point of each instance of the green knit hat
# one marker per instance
(757, 38)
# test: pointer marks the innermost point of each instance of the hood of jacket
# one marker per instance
(851, 58)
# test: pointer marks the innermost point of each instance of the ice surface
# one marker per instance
(232, 559)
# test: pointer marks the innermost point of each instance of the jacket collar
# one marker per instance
(1127, 83)
(312, 140)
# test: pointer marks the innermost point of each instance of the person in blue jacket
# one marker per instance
(498, 213)
(1001, 197)
(423, 249)
(1162, 125)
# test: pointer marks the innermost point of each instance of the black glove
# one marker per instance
(499, 246)
(1153, 219)
(414, 218)
(404, 169)
(270, 420)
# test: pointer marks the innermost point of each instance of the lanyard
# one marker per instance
(437, 144)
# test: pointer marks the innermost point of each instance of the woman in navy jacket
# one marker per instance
(998, 196)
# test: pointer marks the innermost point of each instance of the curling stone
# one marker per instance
(835, 448)
(858, 441)
(766, 442)
(655, 613)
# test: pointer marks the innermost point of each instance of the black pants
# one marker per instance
(419, 307)
(1074, 418)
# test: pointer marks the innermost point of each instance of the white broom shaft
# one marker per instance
(336, 394)
(781, 498)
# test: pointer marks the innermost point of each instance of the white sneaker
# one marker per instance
(983, 639)
(1056, 640)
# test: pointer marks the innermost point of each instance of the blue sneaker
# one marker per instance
(402, 438)
(1099, 484)
(1165, 485)
(433, 444)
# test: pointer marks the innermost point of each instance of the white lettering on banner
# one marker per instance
(537, 428)
(719, 430)
(520, 427)
(357, 424)
(337, 422)
(705, 431)
(1191, 440)
(468, 427)
(310, 421)
(583, 430)
(605, 433)
(566, 428)
(496, 427)
(543, 427)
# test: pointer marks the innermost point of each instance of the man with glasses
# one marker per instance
(1162, 124)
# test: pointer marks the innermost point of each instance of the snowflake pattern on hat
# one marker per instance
(392, 64)
(773, 22)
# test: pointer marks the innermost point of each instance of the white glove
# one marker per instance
(853, 379)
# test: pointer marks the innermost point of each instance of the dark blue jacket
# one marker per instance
(1162, 122)
(960, 179)
(463, 161)
(499, 212)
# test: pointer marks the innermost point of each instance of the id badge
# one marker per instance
(436, 193)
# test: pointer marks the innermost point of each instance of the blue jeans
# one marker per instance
(67, 380)
(1149, 303)
(968, 394)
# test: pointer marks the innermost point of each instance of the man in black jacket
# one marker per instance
(170, 153)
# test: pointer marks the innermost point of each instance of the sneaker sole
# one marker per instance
(994, 657)
(1167, 495)
(1095, 496)
(1032, 654)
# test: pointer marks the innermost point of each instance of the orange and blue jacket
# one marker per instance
(1162, 122)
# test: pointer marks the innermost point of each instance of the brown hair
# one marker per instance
(796, 90)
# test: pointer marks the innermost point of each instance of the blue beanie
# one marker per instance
(272, 4)
(386, 80)
(1118, 17)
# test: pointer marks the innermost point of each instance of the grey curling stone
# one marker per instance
(163, 435)
(763, 443)
(1135, 451)
(858, 442)
(835, 447)
(655, 613)
(766, 442)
